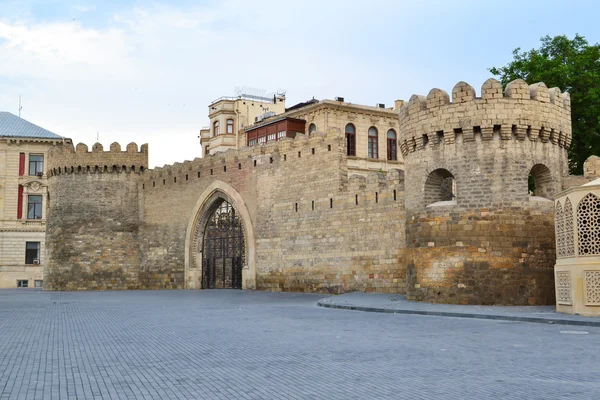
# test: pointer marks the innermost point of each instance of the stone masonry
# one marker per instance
(459, 225)
(492, 244)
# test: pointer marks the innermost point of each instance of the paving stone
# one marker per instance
(257, 345)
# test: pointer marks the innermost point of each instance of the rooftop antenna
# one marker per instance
(20, 108)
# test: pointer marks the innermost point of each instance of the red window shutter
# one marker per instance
(20, 203)
(21, 164)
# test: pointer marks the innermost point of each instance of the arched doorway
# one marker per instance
(207, 205)
(223, 249)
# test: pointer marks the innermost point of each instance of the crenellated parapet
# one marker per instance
(72, 160)
(522, 112)
(298, 150)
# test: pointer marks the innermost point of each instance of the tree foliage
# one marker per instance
(574, 66)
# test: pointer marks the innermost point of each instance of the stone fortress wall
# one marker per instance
(93, 223)
(490, 241)
(309, 227)
(465, 230)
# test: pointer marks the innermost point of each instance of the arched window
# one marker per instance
(216, 128)
(439, 186)
(229, 126)
(312, 128)
(351, 140)
(372, 153)
(540, 182)
(391, 145)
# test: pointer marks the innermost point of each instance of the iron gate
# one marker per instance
(223, 250)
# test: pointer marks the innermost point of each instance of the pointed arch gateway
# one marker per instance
(220, 246)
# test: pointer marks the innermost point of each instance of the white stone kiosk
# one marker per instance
(577, 270)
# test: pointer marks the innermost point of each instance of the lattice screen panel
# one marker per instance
(560, 231)
(563, 287)
(588, 225)
(569, 242)
(592, 288)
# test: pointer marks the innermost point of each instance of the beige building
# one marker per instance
(371, 132)
(23, 200)
(228, 115)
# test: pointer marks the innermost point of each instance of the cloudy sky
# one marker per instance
(145, 71)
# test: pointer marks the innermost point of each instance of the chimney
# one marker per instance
(398, 104)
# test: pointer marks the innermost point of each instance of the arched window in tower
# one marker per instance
(440, 186)
(539, 182)
(372, 150)
(392, 152)
(230, 126)
(312, 128)
(350, 140)
(216, 128)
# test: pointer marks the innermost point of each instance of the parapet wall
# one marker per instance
(522, 112)
(68, 159)
(315, 228)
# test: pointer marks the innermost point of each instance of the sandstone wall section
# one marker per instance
(492, 243)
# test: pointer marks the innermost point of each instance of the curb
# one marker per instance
(539, 320)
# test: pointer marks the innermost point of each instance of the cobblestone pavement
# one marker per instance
(253, 345)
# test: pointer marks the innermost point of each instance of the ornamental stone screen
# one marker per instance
(577, 270)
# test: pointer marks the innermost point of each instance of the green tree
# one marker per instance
(574, 66)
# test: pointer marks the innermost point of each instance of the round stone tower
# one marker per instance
(480, 176)
(93, 218)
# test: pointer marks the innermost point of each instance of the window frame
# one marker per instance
(350, 140)
(392, 146)
(34, 256)
(312, 128)
(22, 283)
(216, 128)
(37, 207)
(372, 143)
(38, 165)
(230, 125)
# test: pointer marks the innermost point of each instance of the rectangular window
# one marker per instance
(262, 139)
(372, 147)
(38, 283)
(32, 252)
(251, 142)
(36, 165)
(351, 144)
(22, 283)
(271, 136)
(280, 134)
(229, 126)
(392, 149)
(34, 207)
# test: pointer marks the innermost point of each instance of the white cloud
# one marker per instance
(149, 73)
(82, 8)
